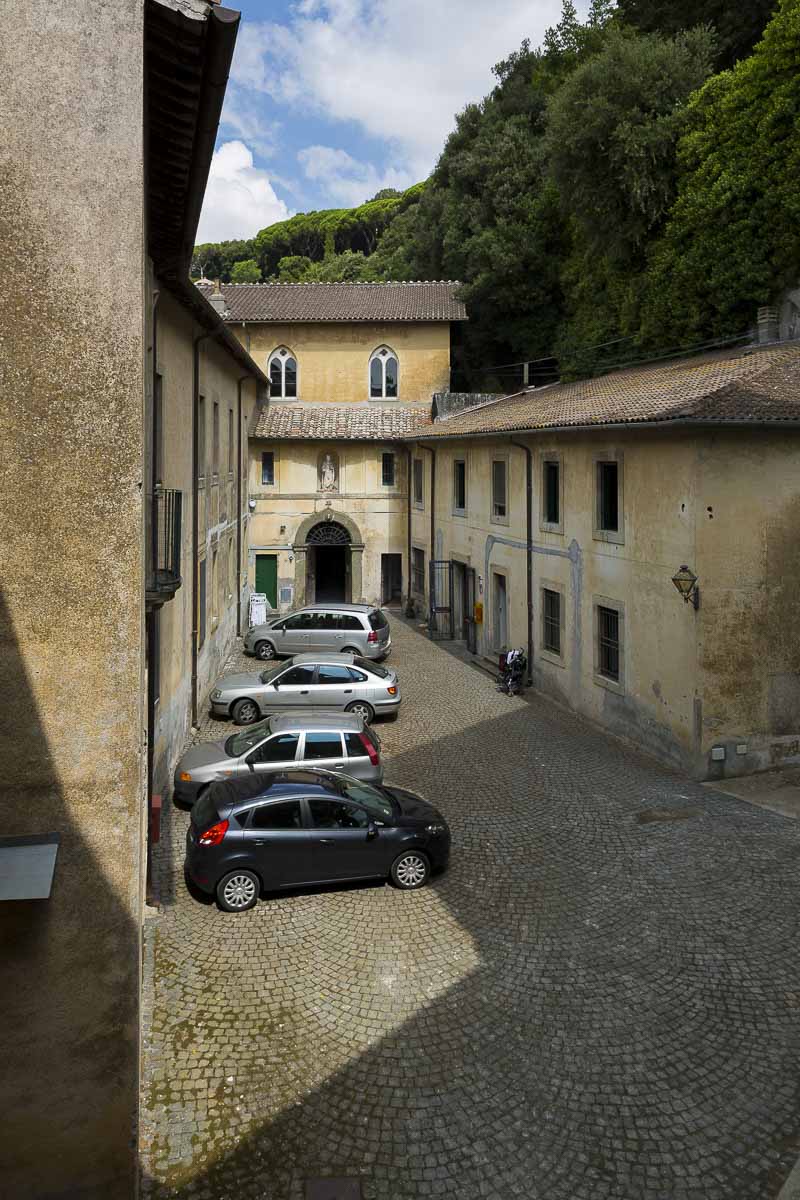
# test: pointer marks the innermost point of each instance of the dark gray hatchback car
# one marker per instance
(267, 832)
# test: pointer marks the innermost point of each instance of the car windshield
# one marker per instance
(366, 664)
(271, 672)
(375, 801)
(240, 743)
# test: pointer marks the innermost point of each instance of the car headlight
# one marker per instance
(216, 694)
(436, 829)
(185, 777)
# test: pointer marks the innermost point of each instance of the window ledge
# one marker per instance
(613, 536)
(611, 685)
(546, 527)
(556, 660)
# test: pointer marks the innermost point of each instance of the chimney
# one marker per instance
(217, 300)
(768, 326)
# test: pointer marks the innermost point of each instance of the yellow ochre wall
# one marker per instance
(217, 520)
(333, 357)
(725, 503)
(378, 512)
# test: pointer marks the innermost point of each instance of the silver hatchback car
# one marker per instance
(338, 742)
(309, 680)
(352, 628)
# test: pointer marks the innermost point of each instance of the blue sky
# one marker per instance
(331, 100)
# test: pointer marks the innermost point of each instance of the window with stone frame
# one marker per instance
(282, 372)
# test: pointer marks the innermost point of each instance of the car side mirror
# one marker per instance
(276, 686)
(372, 832)
(250, 764)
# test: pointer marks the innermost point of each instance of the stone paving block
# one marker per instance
(585, 1004)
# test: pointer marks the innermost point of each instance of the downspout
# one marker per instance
(432, 451)
(195, 504)
(409, 484)
(239, 383)
(528, 547)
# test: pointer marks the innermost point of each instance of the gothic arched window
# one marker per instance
(383, 374)
(282, 371)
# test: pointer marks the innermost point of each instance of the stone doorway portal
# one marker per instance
(328, 553)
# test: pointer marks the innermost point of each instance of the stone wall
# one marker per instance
(71, 602)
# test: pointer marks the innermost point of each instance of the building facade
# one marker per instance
(352, 368)
(559, 517)
(106, 353)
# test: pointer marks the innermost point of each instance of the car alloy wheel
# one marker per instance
(238, 891)
(361, 709)
(265, 651)
(410, 870)
(245, 712)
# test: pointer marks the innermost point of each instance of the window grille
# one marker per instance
(552, 621)
(608, 647)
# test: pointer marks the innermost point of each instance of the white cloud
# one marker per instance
(239, 198)
(344, 178)
(243, 118)
(401, 71)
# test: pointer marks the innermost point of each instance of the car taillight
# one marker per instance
(214, 835)
(392, 691)
(370, 749)
(372, 636)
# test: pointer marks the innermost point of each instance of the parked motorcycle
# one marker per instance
(513, 665)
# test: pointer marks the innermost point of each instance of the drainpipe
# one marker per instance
(432, 451)
(409, 484)
(201, 337)
(239, 383)
(528, 546)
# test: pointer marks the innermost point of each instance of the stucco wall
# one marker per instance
(378, 512)
(71, 609)
(217, 520)
(726, 505)
(333, 359)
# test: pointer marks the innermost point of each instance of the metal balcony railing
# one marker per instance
(164, 512)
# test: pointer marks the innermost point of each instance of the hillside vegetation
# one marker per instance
(627, 188)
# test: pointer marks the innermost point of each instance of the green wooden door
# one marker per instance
(267, 577)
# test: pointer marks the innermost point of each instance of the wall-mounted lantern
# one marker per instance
(685, 581)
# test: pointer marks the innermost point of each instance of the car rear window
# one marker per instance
(355, 746)
(367, 665)
(204, 812)
(349, 622)
(377, 620)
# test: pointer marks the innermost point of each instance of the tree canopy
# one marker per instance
(609, 197)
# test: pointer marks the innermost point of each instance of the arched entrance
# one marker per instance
(328, 562)
(328, 550)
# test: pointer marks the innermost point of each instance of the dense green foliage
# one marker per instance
(608, 197)
(245, 271)
(733, 235)
(738, 24)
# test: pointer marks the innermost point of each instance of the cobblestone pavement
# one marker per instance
(590, 1003)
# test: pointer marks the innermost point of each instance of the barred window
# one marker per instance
(608, 647)
(418, 572)
(552, 493)
(499, 497)
(418, 494)
(608, 496)
(459, 485)
(387, 470)
(551, 636)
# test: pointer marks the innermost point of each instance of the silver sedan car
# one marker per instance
(319, 680)
(339, 742)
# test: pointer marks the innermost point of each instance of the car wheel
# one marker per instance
(362, 709)
(350, 650)
(238, 890)
(245, 712)
(265, 651)
(410, 870)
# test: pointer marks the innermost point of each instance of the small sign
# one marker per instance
(259, 607)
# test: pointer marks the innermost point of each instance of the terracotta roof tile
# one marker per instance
(751, 386)
(277, 302)
(339, 422)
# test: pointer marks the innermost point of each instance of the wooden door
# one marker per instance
(267, 577)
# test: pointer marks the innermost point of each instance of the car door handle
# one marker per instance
(327, 841)
(305, 693)
(348, 691)
(261, 842)
(338, 766)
